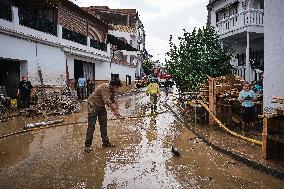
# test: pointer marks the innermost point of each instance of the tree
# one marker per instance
(198, 56)
(147, 66)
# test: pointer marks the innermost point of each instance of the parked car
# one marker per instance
(141, 82)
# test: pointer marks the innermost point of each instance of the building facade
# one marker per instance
(273, 54)
(51, 42)
(54, 43)
(125, 25)
(240, 25)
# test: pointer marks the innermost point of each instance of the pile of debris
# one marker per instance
(4, 101)
(228, 88)
(54, 103)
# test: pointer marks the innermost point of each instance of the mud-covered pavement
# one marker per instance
(142, 158)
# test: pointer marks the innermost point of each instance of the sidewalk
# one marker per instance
(218, 139)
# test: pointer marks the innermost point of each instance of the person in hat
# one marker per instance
(24, 92)
(153, 90)
(104, 95)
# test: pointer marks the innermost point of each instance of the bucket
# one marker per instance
(13, 103)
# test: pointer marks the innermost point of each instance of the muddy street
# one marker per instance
(142, 158)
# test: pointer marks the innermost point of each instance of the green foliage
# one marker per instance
(147, 66)
(198, 55)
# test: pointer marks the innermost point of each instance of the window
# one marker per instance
(128, 80)
(114, 76)
(125, 58)
(217, 17)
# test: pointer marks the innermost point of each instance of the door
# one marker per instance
(10, 76)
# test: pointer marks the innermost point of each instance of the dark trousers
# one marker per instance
(167, 90)
(154, 101)
(93, 114)
(248, 114)
(24, 101)
(80, 93)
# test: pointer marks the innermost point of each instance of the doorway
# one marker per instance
(78, 69)
(10, 76)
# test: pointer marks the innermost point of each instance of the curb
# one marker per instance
(249, 162)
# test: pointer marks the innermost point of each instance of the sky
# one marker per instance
(161, 18)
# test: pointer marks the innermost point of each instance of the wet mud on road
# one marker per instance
(142, 158)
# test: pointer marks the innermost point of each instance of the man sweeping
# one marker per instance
(103, 96)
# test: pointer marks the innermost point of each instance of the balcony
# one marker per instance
(6, 12)
(74, 36)
(238, 22)
(98, 45)
(39, 24)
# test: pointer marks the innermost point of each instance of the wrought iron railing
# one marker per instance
(37, 23)
(6, 12)
(98, 45)
(74, 36)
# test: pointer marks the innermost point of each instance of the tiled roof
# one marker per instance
(122, 28)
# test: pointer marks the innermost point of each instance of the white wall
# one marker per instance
(102, 71)
(52, 64)
(123, 71)
(273, 52)
(70, 62)
(49, 59)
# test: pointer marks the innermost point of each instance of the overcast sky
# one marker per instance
(161, 18)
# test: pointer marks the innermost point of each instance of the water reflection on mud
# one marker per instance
(142, 158)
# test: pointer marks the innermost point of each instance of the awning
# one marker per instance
(121, 45)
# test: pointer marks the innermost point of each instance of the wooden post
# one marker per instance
(264, 139)
(212, 98)
(272, 138)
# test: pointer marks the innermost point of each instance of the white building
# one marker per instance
(125, 25)
(239, 24)
(48, 49)
(54, 43)
(273, 54)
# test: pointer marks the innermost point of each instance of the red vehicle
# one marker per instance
(142, 82)
(162, 74)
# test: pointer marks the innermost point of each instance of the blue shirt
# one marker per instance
(81, 82)
(248, 97)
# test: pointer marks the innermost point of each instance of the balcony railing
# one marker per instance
(37, 23)
(98, 45)
(250, 17)
(74, 36)
(6, 12)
